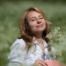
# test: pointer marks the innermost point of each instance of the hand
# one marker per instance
(40, 63)
(54, 63)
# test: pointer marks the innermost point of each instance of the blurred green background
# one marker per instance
(10, 13)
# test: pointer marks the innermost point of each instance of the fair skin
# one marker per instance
(37, 24)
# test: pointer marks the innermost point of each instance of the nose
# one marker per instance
(38, 21)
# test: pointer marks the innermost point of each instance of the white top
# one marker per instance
(19, 56)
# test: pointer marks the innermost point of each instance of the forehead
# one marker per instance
(34, 13)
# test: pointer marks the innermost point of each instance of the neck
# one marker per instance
(38, 35)
(39, 38)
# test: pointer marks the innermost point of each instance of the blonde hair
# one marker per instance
(25, 31)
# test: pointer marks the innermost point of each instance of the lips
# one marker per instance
(39, 26)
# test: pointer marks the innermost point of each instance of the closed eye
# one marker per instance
(33, 19)
(41, 17)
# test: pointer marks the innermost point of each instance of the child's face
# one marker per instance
(36, 22)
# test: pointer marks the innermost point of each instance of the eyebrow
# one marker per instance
(34, 16)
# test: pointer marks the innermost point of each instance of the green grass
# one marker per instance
(10, 13)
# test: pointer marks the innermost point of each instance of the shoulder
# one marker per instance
(17, 51)
(19, 43)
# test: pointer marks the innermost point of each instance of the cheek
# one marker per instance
(32, 25)
(44, 23)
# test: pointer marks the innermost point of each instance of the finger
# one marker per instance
(39, 65)
(43, 63)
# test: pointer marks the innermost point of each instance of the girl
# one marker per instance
(31, 47)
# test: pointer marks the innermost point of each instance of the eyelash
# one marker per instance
(41, 18)
(35, 19)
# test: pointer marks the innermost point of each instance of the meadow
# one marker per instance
(10, 14)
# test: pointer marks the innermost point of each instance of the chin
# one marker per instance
(41, 29)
